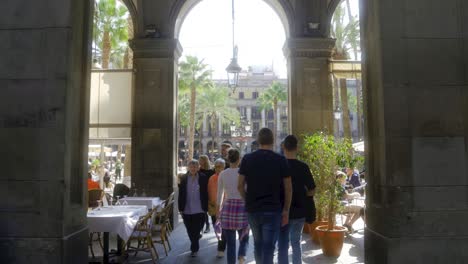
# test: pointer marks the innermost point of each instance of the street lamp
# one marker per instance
(233, 69)
(337, 113)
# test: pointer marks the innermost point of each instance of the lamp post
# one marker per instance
(337, 113)
(241, 133)
(233, 69)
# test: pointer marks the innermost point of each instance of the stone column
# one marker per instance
(416, 109)
(154, 115)
(310, 92)
(249, 114)
(44, 114)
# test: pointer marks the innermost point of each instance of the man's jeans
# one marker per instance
(291, 232)
(265, 228)
(230, 236)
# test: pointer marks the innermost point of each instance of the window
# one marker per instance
(254, 95)
(256, 127)
(256, 114)
(242, 111)
(270, 114)
(271, 125)
(241, 95)
(226, 129)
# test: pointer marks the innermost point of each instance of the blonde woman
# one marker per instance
(212, 201)
(233, 217)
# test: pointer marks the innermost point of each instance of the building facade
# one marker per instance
(252, 83)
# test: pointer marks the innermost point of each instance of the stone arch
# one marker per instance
(182, 8)
(332, 6)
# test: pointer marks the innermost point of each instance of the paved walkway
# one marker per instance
(353, 250)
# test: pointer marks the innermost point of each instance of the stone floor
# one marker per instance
(353, 249)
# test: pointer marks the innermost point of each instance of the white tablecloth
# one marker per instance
(117, 219)
(150, 202)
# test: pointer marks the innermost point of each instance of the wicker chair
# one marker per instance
(142, 234)
(160, 229)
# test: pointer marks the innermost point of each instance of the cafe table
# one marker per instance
(120, 220)
(150, 202)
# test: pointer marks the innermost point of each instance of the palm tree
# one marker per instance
(346, 33)
(193, 78)
(217, 106)
(110, 32)
(183, 110)
(270, 98)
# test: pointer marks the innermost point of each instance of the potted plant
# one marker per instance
(325, 155)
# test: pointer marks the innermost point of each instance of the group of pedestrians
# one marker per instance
(264, 193)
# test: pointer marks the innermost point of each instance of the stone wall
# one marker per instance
(44, 65)
(417, 125)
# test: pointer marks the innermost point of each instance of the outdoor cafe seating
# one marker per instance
(145, 220)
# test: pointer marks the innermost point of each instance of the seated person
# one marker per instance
(92, 184)
(353, 177)
(353, 211)
(108, 186)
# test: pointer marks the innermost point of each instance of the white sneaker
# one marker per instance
(194, 254)
(220, 254)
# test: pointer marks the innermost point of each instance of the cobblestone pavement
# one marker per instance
(353, 250)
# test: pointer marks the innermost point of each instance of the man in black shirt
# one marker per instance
(261, 175)
(303, 185)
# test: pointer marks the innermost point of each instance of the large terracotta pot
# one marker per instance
(331, 241)
(313, 232)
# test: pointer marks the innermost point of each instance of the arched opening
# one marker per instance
(183, 8)
(211, 50)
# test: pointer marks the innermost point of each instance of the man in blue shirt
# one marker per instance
(261, 177)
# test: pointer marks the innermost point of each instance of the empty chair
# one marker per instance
(121, 190)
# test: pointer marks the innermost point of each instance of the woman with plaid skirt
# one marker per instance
(232, 216)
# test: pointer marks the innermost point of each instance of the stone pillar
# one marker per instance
(154, 115)
(44, 114)
(249, 114)
(310, 92)
(416, 109)
(128, 161)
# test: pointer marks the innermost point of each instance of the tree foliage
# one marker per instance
(194, 77)
(270, 99)
(216, 106)
(346, 30)
(325, 155)
(110, 33)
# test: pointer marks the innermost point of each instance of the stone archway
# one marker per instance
(183, 7)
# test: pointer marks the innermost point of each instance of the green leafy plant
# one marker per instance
(325, 155)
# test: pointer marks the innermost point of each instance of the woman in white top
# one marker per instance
(233, 216)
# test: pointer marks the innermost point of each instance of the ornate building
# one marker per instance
(251, 85)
